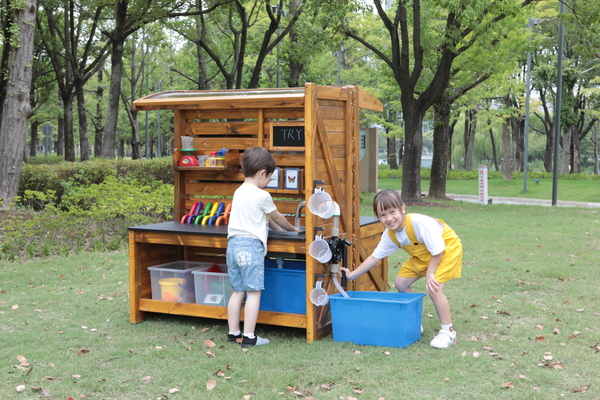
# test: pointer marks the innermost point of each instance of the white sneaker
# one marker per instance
(443, 339)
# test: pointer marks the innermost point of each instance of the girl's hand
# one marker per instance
(348, 273)
(431, 285)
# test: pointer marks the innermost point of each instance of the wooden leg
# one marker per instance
(135, 280)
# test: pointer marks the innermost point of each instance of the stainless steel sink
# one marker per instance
(276, 234)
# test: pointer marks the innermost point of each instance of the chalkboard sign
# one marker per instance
(287, 136)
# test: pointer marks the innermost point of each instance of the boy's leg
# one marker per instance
(234, 308)
(251, 308)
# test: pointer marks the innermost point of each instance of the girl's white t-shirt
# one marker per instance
(249, 209)
(428, 231)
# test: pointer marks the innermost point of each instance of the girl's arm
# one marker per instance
(369, 263)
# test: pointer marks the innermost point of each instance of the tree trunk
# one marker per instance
(566, 150)
(413, 145)
(391, 150)
(60, 134)
(116, 63)
(469, 137)
(595, 141)
(494, 152)
(17, 107)
(576, 152)
(84, 143)
(441, 151)
(506, 153)
(98, 127)
(136, 145)
(400, 153)
(33, 144)
(68, 127)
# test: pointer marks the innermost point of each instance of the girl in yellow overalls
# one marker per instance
(435, 252)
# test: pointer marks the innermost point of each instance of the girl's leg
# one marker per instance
(404, 285)
(442, 306)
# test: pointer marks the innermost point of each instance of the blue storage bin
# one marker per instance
(377, 318)
(285, 288)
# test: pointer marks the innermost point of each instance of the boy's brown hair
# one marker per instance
(256, 159)
(387, 199)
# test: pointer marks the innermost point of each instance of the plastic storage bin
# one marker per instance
(212, 288)
(285, 288)
(174, 281)
(377, 318)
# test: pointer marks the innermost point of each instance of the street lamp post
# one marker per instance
(561, 35)
(527, 98)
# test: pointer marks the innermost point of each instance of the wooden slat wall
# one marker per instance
(236, 129)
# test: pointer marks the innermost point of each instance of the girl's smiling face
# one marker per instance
(392, 218)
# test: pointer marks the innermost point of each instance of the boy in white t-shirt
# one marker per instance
(247, 247)
(435, 252)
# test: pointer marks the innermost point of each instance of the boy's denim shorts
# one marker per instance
(246, 264)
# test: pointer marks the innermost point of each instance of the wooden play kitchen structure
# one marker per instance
(314, 135)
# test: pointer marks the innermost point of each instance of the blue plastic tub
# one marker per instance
(377, 318)
(285, 288)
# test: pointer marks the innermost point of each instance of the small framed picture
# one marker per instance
(275, 179)
(292, 179)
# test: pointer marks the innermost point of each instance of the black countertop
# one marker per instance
(221, 230)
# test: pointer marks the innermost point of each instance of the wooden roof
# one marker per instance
(247, 98)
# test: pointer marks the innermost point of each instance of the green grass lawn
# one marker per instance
(525, 309)
(568, 190)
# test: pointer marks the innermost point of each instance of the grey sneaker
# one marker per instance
(444, 339)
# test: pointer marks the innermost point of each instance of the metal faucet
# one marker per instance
(298, 209)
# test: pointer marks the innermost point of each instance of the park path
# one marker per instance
(520, 201)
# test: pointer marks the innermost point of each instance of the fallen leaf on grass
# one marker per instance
(210, 384)
(15, 306)
(580, 310)
(510, 385)
(475, 354)
(209, 343)
(582, 390)
(540, 338)
(539, 327)
(328, 386)
(210, 354)
(81, 351)
(174, 390)
(21, 359)
(358, 390)
(557, 365)
(447, 379)
(556, 331)
(20, 388)
(146, 378)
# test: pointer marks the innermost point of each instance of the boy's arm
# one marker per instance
(280, 220)
(366, 265)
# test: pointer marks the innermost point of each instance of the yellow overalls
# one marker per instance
(450, 266)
